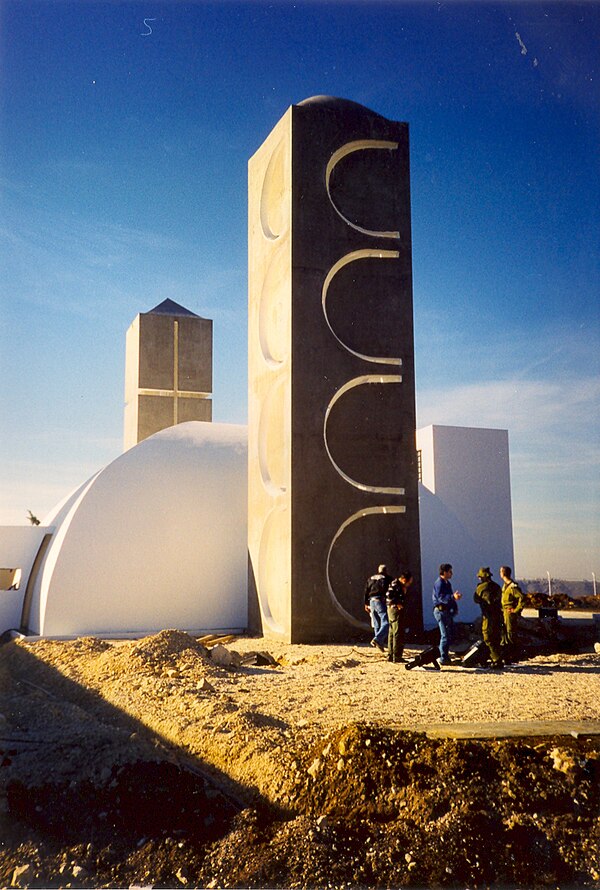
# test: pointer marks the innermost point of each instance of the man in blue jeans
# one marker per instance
(445, 607)
(375, 591)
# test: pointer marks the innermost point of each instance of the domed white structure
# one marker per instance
(156, 539)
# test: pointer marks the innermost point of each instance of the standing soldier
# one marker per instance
(489, 598)
(375, 591)
(396, 610)
(512, 606)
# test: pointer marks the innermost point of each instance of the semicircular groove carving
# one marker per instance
(272, 439)
(272, 204)
(359, 381)
(272, 594)
(273, 318)
(349, 148)
(353, 257)
(360, 514)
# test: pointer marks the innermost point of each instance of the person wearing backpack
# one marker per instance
(375, 591)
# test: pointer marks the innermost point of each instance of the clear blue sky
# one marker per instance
(123, 168)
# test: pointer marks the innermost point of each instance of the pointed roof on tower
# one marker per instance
(169, 307)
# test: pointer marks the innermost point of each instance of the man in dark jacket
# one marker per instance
(395, 599)
(375, 591)
(488, 596)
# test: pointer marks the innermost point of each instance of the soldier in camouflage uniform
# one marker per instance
(489, 598)
(512, 606)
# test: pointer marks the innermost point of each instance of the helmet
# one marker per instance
(484, 573)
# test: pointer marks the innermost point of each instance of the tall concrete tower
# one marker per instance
(331, 437)
(168, 370)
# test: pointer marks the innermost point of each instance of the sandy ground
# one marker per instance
(332, 685)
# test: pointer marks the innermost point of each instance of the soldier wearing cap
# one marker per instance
(488, 596)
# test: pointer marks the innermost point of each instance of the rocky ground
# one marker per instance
(170, 762)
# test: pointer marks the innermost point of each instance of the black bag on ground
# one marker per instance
(429, 656)
(477, 654)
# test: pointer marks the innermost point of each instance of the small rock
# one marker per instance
(322, 822)
(314, 768)
(79, 871)
(562, 760)
(302, 723)
(225, 657)
(204, 686)
(173, 672)
(182, 875)
(21, 875)
(341, 763)
(597, 648)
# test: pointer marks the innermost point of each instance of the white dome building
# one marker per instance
(156, 539)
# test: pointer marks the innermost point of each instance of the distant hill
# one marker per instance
(565, 594)
(573, 589)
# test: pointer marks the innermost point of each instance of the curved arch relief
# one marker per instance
(359, 381)
(273, 436)
(344, 151)
(360, 514)
(273, 319)
(353, 257)
(270, 595)
(272, 206)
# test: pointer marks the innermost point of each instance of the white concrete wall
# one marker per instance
(19, 545)
(465, 508)
(157, 539)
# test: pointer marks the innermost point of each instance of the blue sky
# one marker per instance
(123, 170)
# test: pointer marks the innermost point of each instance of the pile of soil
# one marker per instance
(168, 763)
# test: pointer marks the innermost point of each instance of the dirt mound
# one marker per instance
(166, 649)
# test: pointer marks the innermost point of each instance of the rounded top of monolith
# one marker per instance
(337, 104)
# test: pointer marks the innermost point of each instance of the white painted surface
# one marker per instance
(465, 509)
(157, 539)
(19, 545)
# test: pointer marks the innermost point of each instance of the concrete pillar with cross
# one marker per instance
(168, 371)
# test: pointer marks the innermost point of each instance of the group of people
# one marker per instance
(385, 601)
